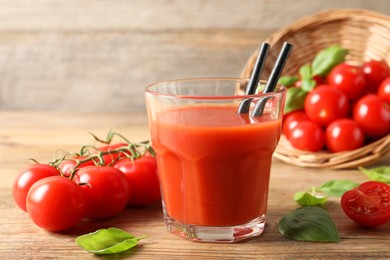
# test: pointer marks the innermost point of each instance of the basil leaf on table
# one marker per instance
(288, 80)
(310, 199)
(295, 99)
(337, 187)
(381, 173)
(309, 224)
(108, 241)
(327, 59)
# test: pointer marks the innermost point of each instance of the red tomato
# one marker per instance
(384, 90)
(27, 178)
(106, 190)
(291, 120)
(143, 180)
(343, 135)
(373, 115)
(348, 79)
(325, 104)
(113, 156)
(375, 72)
(368, 205)
(307, 136)
(55, 203)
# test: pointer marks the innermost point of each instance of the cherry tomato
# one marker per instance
(307, 136)
(291, 120)
(349, 79)
(373, 115)
(27, 178)
(106, 190)
(368, 205)
(55, 203)
(344, 135)
(325, 104)
(113, 156)
(143, 180)
(375, 72)
(384, 90)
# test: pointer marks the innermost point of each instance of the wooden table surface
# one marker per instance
(40, 135)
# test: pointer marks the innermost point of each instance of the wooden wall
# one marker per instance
(98, 55)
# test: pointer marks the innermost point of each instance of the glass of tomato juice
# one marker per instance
(213, 162)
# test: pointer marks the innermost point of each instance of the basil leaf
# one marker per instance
(295, 99)
(381, 173)
(308, 83)
(288, 80)
(327, 59)
(337, 187)
(108, 241)
(309, 199)
(309, 224)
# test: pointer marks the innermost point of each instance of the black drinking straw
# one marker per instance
(255, 77)
(274, 78)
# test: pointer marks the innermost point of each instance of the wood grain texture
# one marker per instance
(41, 134)
(97, 56)
(108, 71)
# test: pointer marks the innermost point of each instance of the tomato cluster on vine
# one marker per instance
(340, 110)
(99, 182)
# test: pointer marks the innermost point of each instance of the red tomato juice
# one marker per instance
(214, 164)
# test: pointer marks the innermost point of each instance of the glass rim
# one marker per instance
(148, 89)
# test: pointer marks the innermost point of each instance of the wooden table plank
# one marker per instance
(39, 135)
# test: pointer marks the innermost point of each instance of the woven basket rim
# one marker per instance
(319, 18)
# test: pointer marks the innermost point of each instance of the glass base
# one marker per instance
(228, 234)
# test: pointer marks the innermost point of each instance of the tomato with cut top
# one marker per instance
(369, 204)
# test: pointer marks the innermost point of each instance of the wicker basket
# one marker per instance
(367, 36)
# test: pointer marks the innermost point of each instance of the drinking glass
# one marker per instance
(213, 162)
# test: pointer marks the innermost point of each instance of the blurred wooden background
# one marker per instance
(98, 55)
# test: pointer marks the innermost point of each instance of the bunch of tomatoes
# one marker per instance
(347, 108)
(99, 182)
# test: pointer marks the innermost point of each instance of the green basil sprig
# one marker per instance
(295, 99)
(327, 59)
(288, 81)
(381, 173)
(310, 199)
(322, 64)
(309, 224)
(308, 83)
(337, 187)
(108, 241)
